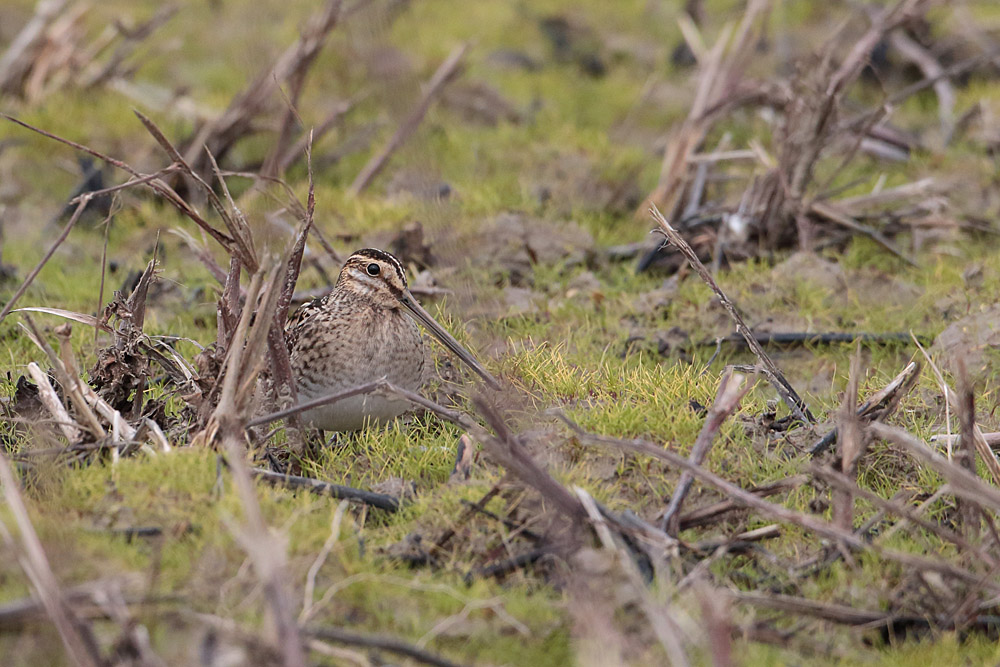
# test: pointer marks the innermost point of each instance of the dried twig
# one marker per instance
(320, 488)
(77, 640)
(931, 69)
(727, 400)
(879, 405)
(445, 72)
(810, 523)
(48, 255)
(227, 424)
(659, 618)
(951, 403)
(962, 483)
(157, 185)
(221, 134)
(852, 446)
(51, 401)
(17, 60)
(848, 485)
(718, 75)
(382, 643)
(714, 512)
(774, 376)
(132, 39)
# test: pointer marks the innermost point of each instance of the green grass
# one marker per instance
(593, 353)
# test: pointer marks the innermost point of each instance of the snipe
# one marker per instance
(363, 330)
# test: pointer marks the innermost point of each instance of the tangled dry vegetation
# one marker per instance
(648, 486)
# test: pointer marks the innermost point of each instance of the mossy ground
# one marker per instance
(571, 351)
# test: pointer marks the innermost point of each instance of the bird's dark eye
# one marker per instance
(373, 269)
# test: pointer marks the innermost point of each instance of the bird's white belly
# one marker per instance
(355, 412)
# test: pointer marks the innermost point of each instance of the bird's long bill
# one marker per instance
(446, 338)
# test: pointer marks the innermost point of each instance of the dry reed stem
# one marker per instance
(781, 513)
(664, 627)
(849, 485)
(963, 484)
(156, 185)
(774, 376)
(218, 136)
(80, 646)
(507, 450)
(226, 424)
(831, 212)
(709, 514)
(242, 242)
(16, 62)
(309, 590)
(718, 74)
(381, 643)
(727, 401)
(298, 148)
(931, 69)
(852, 445)
(47, 394)
(132, 39)
(445, 72)
(951, 403)
(48, 255)
(837, 613)
(70, 384)
(966, 456)
(879, 405)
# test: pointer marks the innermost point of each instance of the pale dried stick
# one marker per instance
(35, 563)
(52, 403)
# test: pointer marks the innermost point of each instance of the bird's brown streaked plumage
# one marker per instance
(363, 330)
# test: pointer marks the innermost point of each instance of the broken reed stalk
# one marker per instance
(377, 642)
(781, 513)
(242, 241)
(80, 644)
(220, 135)
(226, 424)
(298, 148)
(663, 626)
(445, 72)
(727, 400)
(718, 74)
(281, 365)
(704, 516)
(852, 445)
(71, 384)
(951, 402)
(17, 60)
(47, 394)
(774, 376)
(966, 455)
(879, 405)
(320, 488)
(155, 184)
(961, 482)
(931, 69)
(132, 39)
(842, 482)
(48, 255)
(507, 449)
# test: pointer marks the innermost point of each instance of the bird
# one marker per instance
(364, 329)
